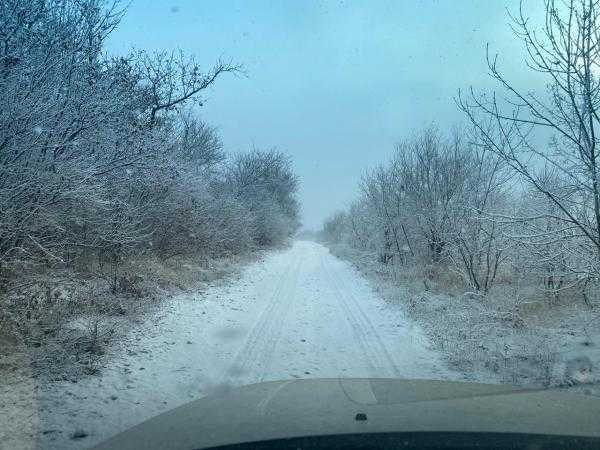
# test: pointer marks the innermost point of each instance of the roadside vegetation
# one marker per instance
(493, 229)
(112, 190)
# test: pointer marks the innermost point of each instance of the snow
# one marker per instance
(299, 313)
(499, 337)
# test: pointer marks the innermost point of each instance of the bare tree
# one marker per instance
(565, 51)
(436, 201)
(479, 245)
(171, 79)
(265, 182)
(431, 174)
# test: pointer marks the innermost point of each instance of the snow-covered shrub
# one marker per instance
(101, 158)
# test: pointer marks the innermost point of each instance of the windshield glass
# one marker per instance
(199, 196)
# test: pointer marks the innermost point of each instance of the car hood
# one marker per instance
(313, 407)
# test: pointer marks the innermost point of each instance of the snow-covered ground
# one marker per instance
(299, 313)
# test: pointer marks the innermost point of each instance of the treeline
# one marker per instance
(442, 201)
(432, 204)
(513, 196)
(100, 156)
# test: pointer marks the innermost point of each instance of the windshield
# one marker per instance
(198, 196)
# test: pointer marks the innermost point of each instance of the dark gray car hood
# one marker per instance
(312, 407)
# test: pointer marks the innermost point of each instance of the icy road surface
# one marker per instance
(299, 313)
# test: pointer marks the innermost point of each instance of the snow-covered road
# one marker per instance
(299, 313)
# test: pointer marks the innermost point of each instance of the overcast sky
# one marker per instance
(334, 84)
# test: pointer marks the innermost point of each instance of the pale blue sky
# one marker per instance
(333, 84)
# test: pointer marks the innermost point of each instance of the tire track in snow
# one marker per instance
(378, 357)
(255, 355)
(279, 316)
